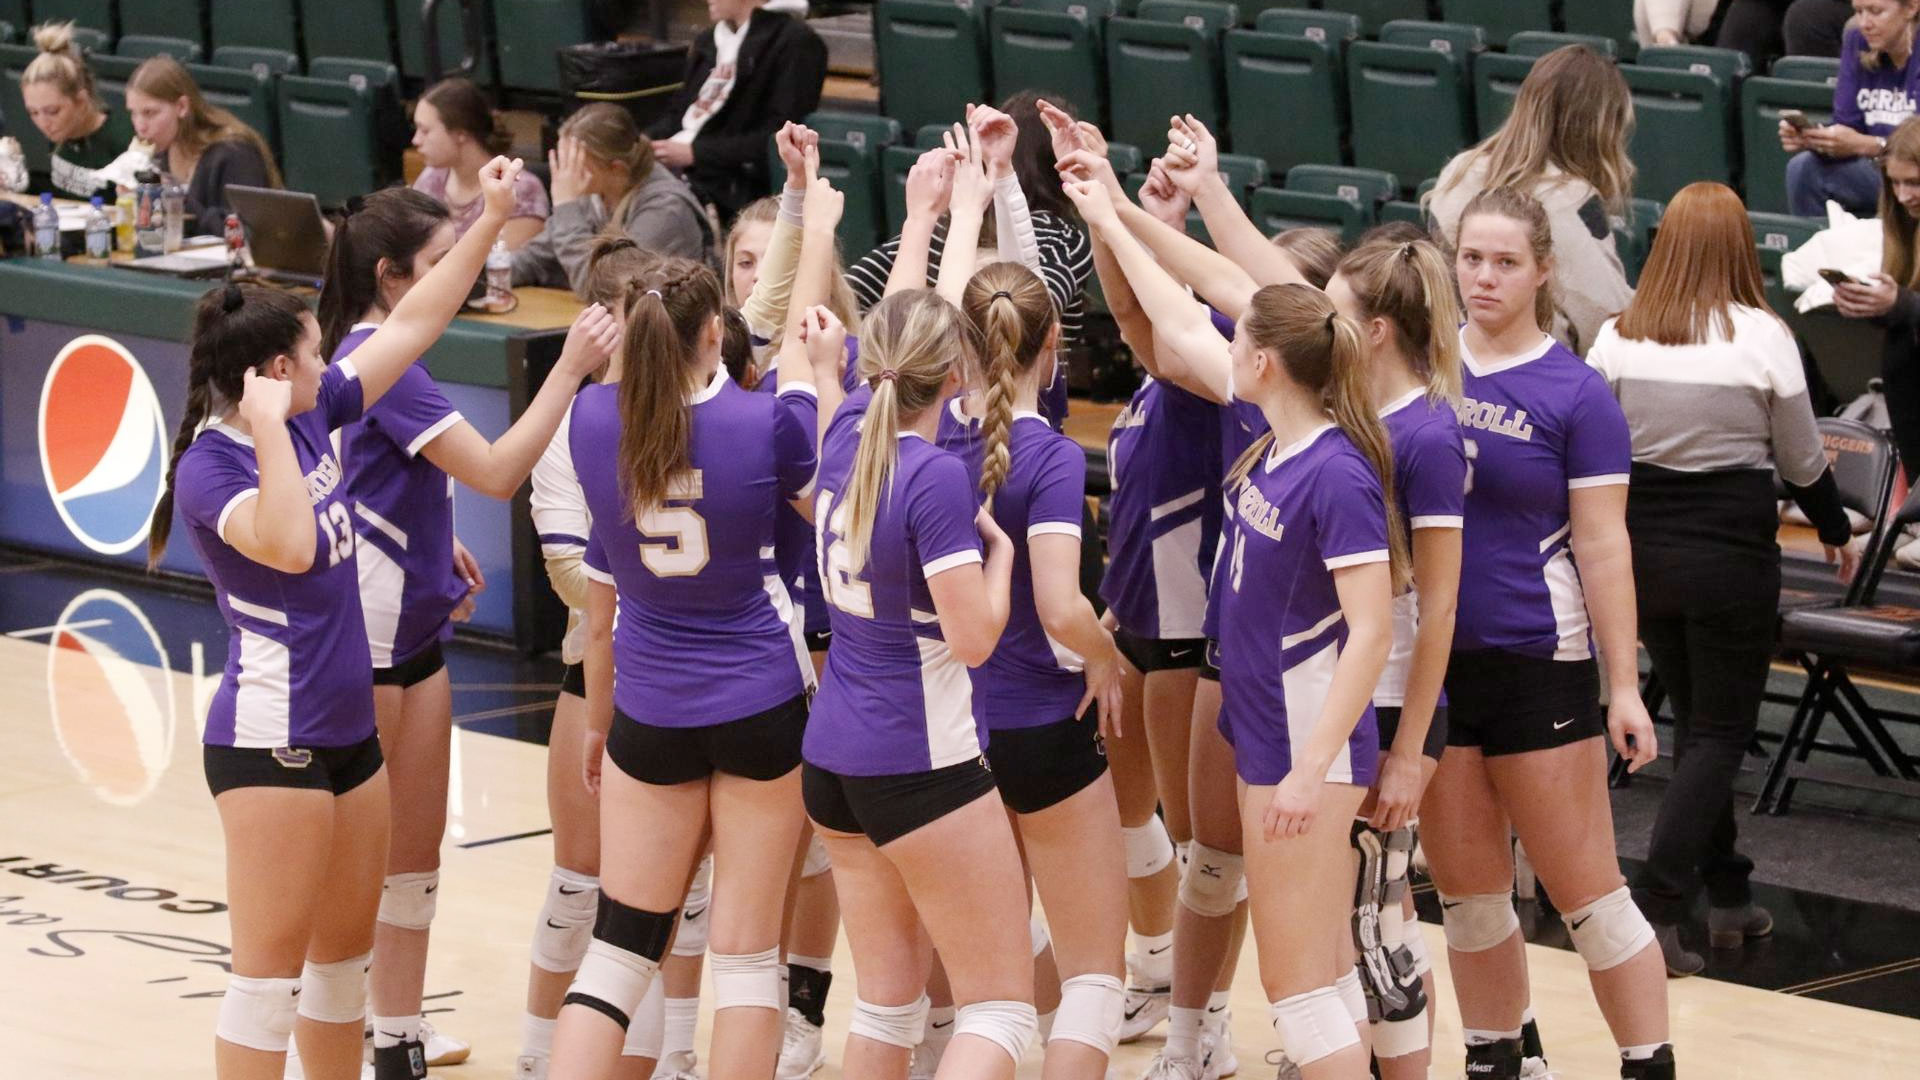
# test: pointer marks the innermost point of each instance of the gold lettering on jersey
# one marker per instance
(688, 486)
(1256, 513)
(323, 479)
(1487, 416)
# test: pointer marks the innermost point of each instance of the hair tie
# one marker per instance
(231, 300)
(1330, 318)
(355, 204)
(999, 293)
(656, 294)
(1406, 251)
(886, 374)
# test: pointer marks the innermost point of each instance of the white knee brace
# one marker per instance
(1008, 1025)
(258, 1013)
(565, 925)
(1609, 931)
(1089, 1012)
(408, 900)
(1211, 885)
(746, 980)
(647, 1034)
(1313, 1025)
(1149, 848)
(622, 960)
(1477, 922)
(335, 993)
(895, 1025)
(694, 920)
(817, 862)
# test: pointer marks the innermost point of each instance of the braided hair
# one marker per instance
(1012, 315)
(668, 309)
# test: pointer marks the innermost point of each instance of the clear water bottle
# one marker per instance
(123, 212)
(99, 230)
(236, 246)
(46, 228)
(149, 217)
(173, 199)
(499, 275)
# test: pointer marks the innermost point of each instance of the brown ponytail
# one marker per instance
(1012, 317)
(666, 310)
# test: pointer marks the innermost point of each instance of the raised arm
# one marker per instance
(929, 188)
(275, 528)
(767, 307)
(814, 280)
(972, 194)
(826, 352)
(1193, 161)
(998, 135)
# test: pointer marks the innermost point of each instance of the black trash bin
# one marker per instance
(639, 75)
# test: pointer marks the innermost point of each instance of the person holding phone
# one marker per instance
(1891, 298)
(1876, 92)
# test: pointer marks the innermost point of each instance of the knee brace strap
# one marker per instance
(1149, 848)
(408, 900)
(1007, 1024)
(1609, 931)
(895, 1025)
(335, 993)
(1417, 949)
(648, 1032)
(258, 1013)
(746, 980)
(565, 924)
(1313, 1025)
(1089, 1012)
(1477, 922)
(816, 862)
(1212, 882)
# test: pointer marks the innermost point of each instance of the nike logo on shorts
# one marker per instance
(1564, 723)
(1180, 654)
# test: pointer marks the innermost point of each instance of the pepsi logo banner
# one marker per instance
(103, 444)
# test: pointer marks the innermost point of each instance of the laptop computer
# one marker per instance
(285, 231)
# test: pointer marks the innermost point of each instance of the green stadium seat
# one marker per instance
(928, 136)
(1401, 210)
(1765, 164)
(156, 18)
(895, 163)
(1368, 187)
(1412, 108)
(33, 145)
(1155, 68)
(83, 12)
(1276, 210)
(1535, 43)
(391, 119)
(257, 58)
(330, 137)
(1682, 129)
(8, 34)
(261, 24)
(1252, 10)
(1375, 14)
(1776, 234)
(142, 47)
(92, 40)
(1243, 173)
(356, 29)
(1264, 68)
(1503, 18)
(1820, 69)
(1199, 14)
(1331, 27)
(1127, 159)
(110, 75)
(1610, 19)
(411, 36)
(529, 32)
(1058, 52)
(14, 14)
(1455, 39)
(1426, 187)
(932, 58)
(859, 129)
(1496, 82)
(1726, 65)
(855, 172)
(247, 93)
(1633, 239)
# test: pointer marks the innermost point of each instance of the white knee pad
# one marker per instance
(694, 917)
(258, 1013)
(746, 980)
(647, 1034)
(335, 993)
(1477, 922)
(1609, 931)
(565, 925)
(817, 862)
(1240, 892)
(1313, 1025)
(1008, 1025)
(1211, 885)
(1149, 848)
(1089, 1012)
(895, 1025)
(1416, 945)
(1037, 935)
(1352, 995)
(408, 900)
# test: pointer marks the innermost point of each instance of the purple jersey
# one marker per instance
(297, 671)
(1241, 425)
(1430, 484)
(1536, 427)
(1164, 514)
(704, 633)
(893, 698)
(403, 512)
(1302, 512)
(792, 533)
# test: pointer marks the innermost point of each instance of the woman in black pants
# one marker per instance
(1699, 342)
(1891, 298)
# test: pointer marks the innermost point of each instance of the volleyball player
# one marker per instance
(400, 459)
(292, 755)
(1548, 454)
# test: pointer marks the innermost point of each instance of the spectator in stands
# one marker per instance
(196, 143)
(1716, 400)
(456, 133)
(1815, 27)
(57, 86)
(1759, 28)
(750, 72)
(605, 178)
(1879, 81)
(1565, 144)
(1672, 22)
(1891, 298)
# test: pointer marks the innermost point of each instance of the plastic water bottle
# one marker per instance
(46, 228)
(499, 275)
(173, 200)
(99, 230)
(236, 246)
(149, 217)
(123, 211)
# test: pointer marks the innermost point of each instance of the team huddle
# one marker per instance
(831, 663)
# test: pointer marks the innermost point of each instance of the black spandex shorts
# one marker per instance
(574, 680)
(1160, 654)
(1388, 717)
(817, 640)
(764, 746)
(1210, 661)
(414, 670)
(338, 769)
(887, 808)
(1507, 703)
(1039, 767)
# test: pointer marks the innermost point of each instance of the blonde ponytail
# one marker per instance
(1350, 402)
(1011, 314)
(1410, 285)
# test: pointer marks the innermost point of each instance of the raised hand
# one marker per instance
(826, 341)
(792, 141)
(1163, 198)
(1193, 155)
(1094, 203)
(1061, 129)
(1086, 164)
(571, 173)
(824, 204)
(592, 340)
(972, 190)
(265, 400)
(497, 178)
(997, 135)
(930, 182)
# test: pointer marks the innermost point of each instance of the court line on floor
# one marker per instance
(1833, 982)
(521, 709)
(510, 836)
(22, 568)
(531, 688)
(46, 631)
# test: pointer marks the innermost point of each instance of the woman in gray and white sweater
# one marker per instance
(603, 161)
(1716, 399)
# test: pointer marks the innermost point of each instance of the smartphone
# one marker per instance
(1838, 277)
(1796, 119)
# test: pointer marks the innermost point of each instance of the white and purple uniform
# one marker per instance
(297, 673)
(893, 699)
(1241, 425)
(1303, 512)
(793, 534)
(1164, 514)
(403, 513)
(561, 521)
(1430, 484)
(1535, 427)
(703, 633)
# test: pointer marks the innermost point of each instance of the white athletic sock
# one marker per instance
(1153, 962)
(1183, 1033)
(1640, 1053)
(817, 963)
(394, 1030)
(683, 1015)
(1217, 1009)
(939, 1030)
(1479, 1037)
(536, 1036)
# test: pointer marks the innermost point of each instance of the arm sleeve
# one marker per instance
(800, 70)
(1013, 224)
(1599, 447)
(1434, 479)
(1846, 89)
(1059, 490)
(793, 451)
(1349, 513)
(223, 163)
(940, 511)
(340, 399)
(414, 412)
(766, 306)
